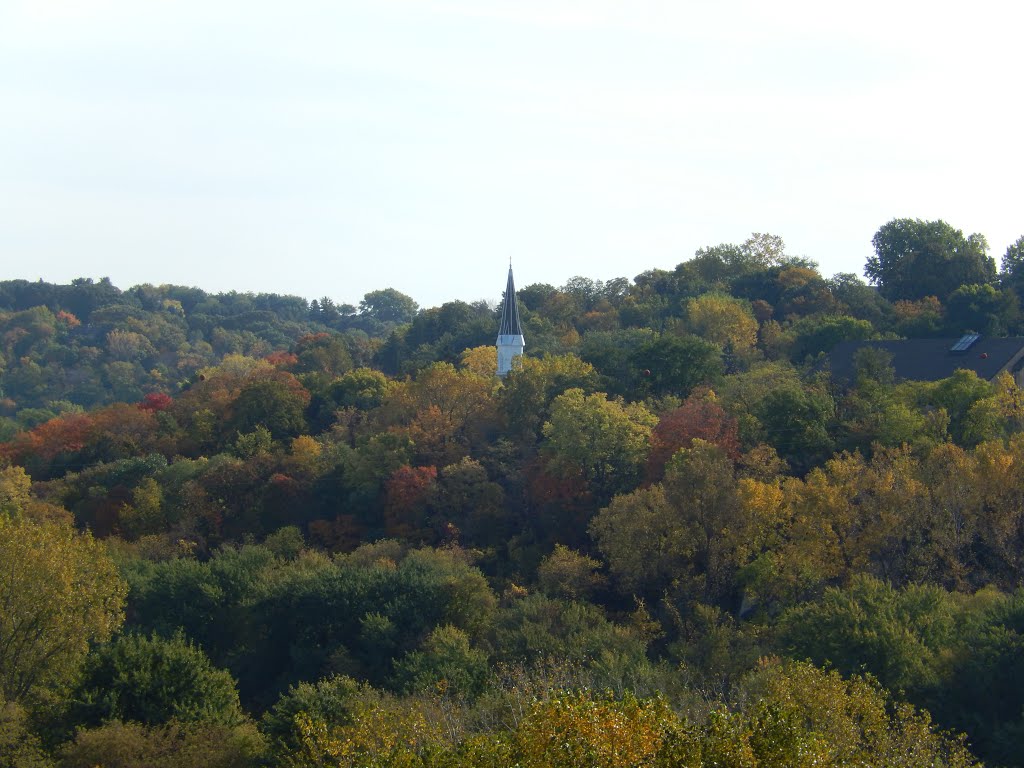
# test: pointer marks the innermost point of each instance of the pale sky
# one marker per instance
(333, 148)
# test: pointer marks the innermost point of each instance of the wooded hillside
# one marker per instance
(242, 530)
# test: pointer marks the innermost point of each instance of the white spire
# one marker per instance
(510, 333)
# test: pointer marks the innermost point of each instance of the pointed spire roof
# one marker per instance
(510, 312)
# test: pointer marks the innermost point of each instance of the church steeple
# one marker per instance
(510, 334)
(510, 312)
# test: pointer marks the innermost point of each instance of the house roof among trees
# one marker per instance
(933, 359)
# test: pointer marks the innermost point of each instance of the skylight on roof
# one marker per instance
(965, 342)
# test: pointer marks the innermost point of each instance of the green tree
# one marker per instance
(981, 308)
(362, 388)
(348, 399)
(639, 536)
(902, 637)
(568, 574)
(677, 364)
(796, 421)
(526, 392)
(202, 599)
(611, 354)
(814, 335)
(741, 395)
(857, 299)
(983, 693)
(446, 662)
(145, 514)
(1011, 270)
(60, 591)
(680, 532)
(388, 306)
(442, 333)
(353, 617)
(255, 443)
(327, 700)
(915, 258)
(152, 680)
(875, 411)
(958, 394)
(604, 439)
(537, 627)
(325, 354)
(278, 404)
(715, 648)
(475, 505)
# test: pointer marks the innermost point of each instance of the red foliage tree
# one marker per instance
(73, 440)
(407, 496)
(560, 504)
(38, 448)
(156, 401)
(68, 319)
(285, 500)
(282, 359)
(121, 431)
(699, 417)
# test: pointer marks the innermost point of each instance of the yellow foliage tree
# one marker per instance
(483, 361)
(382, 732)
(145, 514)
(722, 319)
(15, 487)
(783, 715)
(580, 729)
(305, 458)
(60, 591)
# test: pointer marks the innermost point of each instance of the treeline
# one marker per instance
(89, 343)
(349, 543)
(69, 348)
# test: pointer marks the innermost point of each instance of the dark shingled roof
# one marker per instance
(510, 312)
(931, 359)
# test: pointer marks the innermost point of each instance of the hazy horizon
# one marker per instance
(338, 148)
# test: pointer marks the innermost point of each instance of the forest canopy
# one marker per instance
(250, 530)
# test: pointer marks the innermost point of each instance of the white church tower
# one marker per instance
(510, 335)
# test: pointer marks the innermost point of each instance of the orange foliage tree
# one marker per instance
(699, 417)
